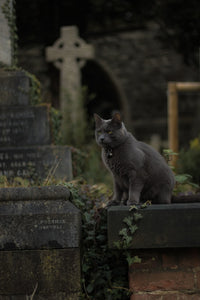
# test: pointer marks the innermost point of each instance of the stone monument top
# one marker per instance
(69, 47)
(69, 54)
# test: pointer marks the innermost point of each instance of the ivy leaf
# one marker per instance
(123, 232)
(85, 268)
(128, 221)
(133, 259)
(133, 228)
(137, 216)
(90, 288)
(146, 204)
(127, 242)
(133, 207)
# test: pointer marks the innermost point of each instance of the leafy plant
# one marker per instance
(56, 119)
(168, 155)
(126, 235)
(35, 89)
(104, 271)
(184, 181)
(189, 160)
(87, 165)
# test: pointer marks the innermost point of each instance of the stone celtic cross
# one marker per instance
(69, 54)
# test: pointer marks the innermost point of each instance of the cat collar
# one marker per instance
(109, 152)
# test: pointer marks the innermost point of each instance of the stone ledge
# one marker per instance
(35, 193)
(38, 218)
(161, 226)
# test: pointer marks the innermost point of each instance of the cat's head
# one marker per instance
(111, 132)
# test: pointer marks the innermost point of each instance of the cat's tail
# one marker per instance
(194, 198)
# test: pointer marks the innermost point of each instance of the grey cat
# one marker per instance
(139, 172)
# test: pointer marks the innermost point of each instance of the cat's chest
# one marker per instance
(115, 161)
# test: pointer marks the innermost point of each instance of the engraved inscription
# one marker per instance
(33, 163)
(50, 224)
(14, 124)
(24, 126)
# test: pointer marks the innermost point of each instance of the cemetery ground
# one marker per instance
(104, 270)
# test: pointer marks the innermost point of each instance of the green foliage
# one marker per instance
(133, 259)
(88, 165)
(35, 89)
(104, 271)
(184, 184)
(184, 181)
(168, 155)
(189, 160)
(8, 9)
(56, 119)
(126, 234)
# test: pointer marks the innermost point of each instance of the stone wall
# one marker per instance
(166, 274)
(144, 67)
(167, 244)
(39, 244)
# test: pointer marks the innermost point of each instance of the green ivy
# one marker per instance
(184, 179)
(35, 89)
(104, 271)
(56, 119)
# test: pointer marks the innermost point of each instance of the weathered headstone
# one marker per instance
(39, 244)
(14, 88)
(25, 138)
(160, 226)
(5, 39)
(69, 54)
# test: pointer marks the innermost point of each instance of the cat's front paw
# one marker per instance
(113, 202)
(132, 202)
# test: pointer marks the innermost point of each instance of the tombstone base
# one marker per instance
(40, 244)
(56, 272)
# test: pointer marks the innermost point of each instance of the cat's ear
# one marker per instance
(116, 119)
(98, 120)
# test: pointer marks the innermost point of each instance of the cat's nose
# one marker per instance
(101, 138)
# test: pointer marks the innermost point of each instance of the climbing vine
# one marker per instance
(104, 271)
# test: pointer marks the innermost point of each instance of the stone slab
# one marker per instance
(162, 226)
(24, 126)
(38, 223)
(14, 88)
(57, 273)
(36, 163)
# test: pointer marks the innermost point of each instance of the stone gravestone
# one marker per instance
(25, 139)
(69, 54)
(39, 244)
(5, 40)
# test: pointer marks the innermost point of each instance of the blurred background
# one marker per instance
(139, 47)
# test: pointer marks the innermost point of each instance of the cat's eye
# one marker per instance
(109, 132)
